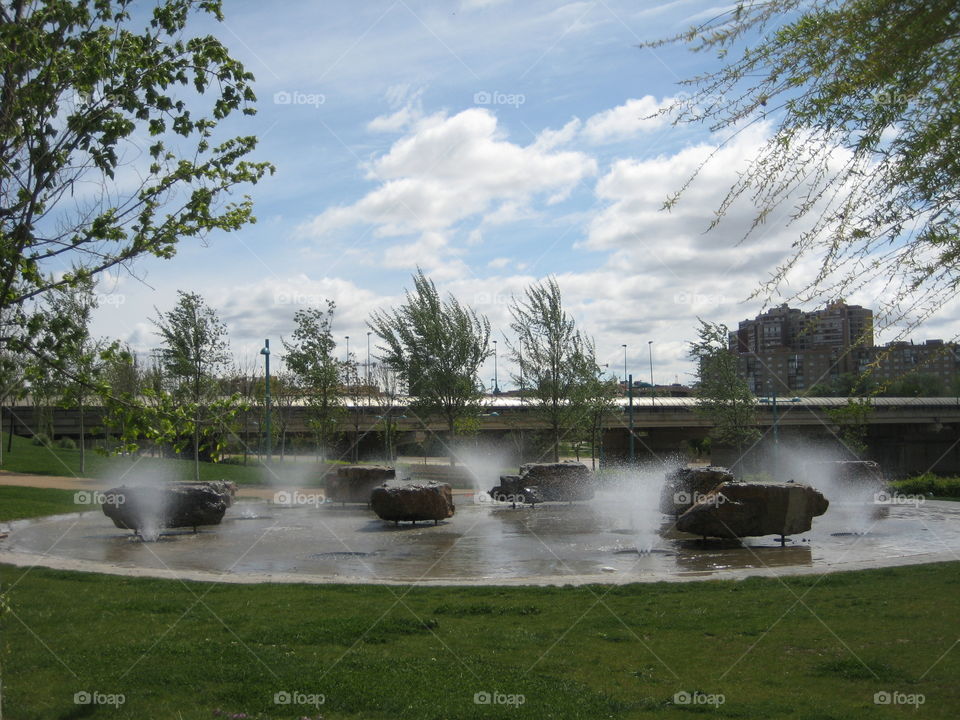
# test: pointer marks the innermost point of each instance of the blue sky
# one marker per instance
(490, 142)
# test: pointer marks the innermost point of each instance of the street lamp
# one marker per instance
(265, 351)
(347, 338)
(772, 401)
(368, 358)
(624, 363)
(653, 395)
(496, 376)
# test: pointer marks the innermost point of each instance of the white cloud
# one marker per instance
(627, 120)
(497, 263)
(448, 169)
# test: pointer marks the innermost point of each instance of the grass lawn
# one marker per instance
(27, 502)
(39, 460)
(803, 647)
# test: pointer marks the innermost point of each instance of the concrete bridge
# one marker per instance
(906, 435)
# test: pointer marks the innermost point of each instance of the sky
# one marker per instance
(491, 143)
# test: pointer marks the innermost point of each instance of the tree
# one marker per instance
(311, 360)
(195, 350)
(80, 87)
(12, 382)
(862, 97)
(77, 354)
(722, 395)
(852, 422)
(437, 348)
(598, 396)
(554, 358)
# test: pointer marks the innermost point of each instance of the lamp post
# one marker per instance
(347, 338)
(624, 362)
(368, 359)
(772, 401)
(520, 357)
(496, 376)
(265, 351)
(653, 395)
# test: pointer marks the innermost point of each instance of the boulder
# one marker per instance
(354, 483)
(410, 503)
(148, 509)
(733, 510)
(563, 481)
(512, 490)
(684, 486)
(854, 482)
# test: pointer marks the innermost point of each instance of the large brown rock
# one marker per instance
(684, 486)
(149, 509)
(354, 483)
(410, 503)
(539, 482)
(733, 510)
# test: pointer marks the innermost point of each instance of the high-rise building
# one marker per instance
(786, 349)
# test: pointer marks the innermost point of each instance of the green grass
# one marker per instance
(27, 502)
(43, 460)
(802, 647)
(929, 484)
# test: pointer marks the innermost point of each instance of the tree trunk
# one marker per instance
(83, 455)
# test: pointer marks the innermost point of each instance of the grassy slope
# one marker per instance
(784, 649)
(27, 502)
(37, 460)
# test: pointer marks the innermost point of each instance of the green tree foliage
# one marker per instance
(862, 95)
(436, 347)
(722, 395)
(317, 372)
(852, 422)
(555, 359)
(80, 87)
(193, 354)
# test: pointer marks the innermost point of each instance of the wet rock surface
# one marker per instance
(354, 483)
(413, 503)
(684, 486)
(148, 509)
(734, 510)
(542, 482)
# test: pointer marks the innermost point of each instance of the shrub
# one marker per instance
(929, 484)
(66, 443)
(40, 439)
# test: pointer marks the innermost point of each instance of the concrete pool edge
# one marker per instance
(30, 561)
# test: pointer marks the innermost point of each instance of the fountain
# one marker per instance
(619, 535)
(149, 509)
